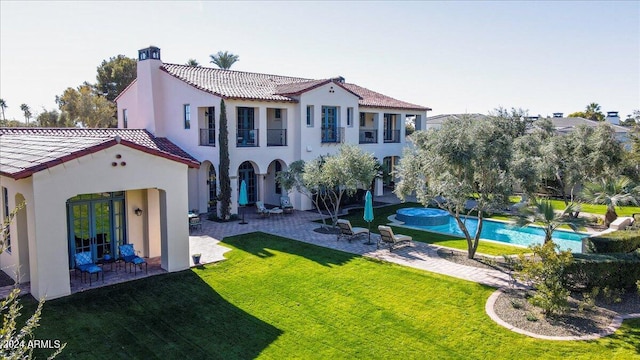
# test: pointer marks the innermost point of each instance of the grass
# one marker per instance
(381, 214)
(276, 298)
(590, 208)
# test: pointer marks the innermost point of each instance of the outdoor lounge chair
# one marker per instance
(266, 212)
(128, 255)
(85, 264)
(285, 204)
(349, 232)
(387, 236)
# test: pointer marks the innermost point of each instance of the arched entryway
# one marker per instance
(273, 191)
(389, 164)
(247, 173)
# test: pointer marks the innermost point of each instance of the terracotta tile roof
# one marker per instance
(232, 84)
(24, 151)
(255, 86)
(373, 99)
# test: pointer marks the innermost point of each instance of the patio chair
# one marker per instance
(285, 205)
(128, 255)
(195, 223)
(85, 264)
(260, 209)
(387, 236)
(349, 232)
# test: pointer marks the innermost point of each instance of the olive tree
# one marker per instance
(326, 179)
(465, 159)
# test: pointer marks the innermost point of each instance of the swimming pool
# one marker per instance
(510, 234)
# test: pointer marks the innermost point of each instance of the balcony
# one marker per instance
(391, 136)
(276, 137)
(247, 138)
(332, 135)
(207, 137)
(368, 136)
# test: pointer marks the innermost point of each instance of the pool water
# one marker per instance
(510, 234)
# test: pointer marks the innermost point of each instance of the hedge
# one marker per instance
(617, 271)
(622, 241)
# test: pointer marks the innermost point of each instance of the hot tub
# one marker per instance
(422, 216)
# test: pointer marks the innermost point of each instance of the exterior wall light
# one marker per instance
(138, 211)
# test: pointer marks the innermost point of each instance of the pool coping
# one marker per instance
(394, 222)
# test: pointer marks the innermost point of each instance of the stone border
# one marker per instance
(615, 324)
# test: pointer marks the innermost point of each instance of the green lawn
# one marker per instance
(276, 298)
(590, 208)
(380, 218)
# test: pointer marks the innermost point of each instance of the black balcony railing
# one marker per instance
(391, 136)
(247, 138)
(368, 136)
(276, 137)
(207, 137)
(332, 135)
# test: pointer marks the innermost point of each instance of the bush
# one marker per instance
(546, 271)
(622, 241)
(616, 271)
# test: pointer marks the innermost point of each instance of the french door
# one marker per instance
(246, 173)
(96, 226)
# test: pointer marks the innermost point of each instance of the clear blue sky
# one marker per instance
(454, 57)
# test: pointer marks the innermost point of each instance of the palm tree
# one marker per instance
(612, 193)
(193, 62)
(592, 112)
(542, 213)
(224, 60)
(27, 112)
(3, 105)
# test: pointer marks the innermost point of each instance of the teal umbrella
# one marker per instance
(242, 199)
(368, 212)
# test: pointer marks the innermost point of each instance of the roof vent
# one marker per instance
(557, 115)
(338, 79)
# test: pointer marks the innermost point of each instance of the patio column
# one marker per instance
(261, 182)
(379, 188)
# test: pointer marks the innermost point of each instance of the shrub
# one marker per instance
(545, 271)
(622, 241)
(617, 271)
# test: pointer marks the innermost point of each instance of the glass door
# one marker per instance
(245, 127)
(95, 225)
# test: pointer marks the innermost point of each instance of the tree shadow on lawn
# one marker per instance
(260, 244)
(170, 316)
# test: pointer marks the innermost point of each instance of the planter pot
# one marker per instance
(196, 259)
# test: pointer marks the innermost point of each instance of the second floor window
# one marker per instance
(329, 124)
(125, 118)
(187, 116)
(310, 115)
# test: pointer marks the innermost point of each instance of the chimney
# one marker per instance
(338, 79)
(613, 118)
(148, 86)
(557, 115)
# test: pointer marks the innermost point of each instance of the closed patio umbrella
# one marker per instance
(242, 199)
(368, 213)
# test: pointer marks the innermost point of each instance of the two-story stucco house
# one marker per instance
(273, 120)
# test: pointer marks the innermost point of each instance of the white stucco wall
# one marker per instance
(91, 174)
(16, 262)
(166, 99)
